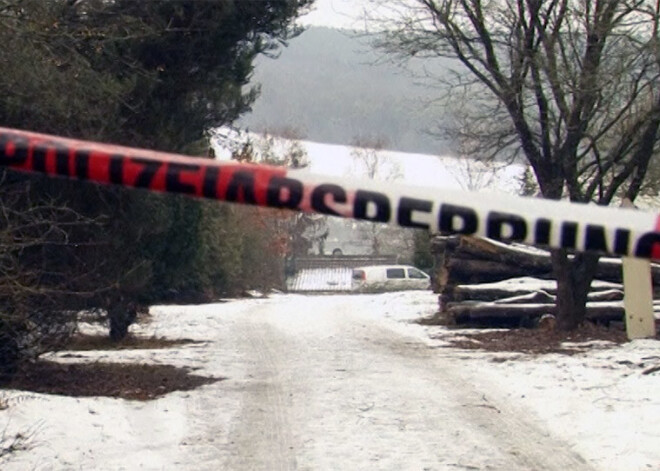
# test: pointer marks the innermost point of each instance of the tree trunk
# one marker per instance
(121, 317)
(574, 276)
(10, 353)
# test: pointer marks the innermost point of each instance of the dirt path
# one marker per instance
(330, 387)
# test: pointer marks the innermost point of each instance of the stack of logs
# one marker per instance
(469, 278)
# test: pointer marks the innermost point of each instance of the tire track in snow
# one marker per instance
(326, 386)
(262, 437)
(479, 407)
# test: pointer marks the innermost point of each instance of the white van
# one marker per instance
(389, 278)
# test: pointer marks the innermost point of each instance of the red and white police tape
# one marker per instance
(558, 224)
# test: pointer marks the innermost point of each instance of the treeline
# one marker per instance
(151, 74)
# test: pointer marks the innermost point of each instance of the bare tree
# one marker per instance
(43, 279)
(370, 162)
(570, 85)
(474, 175)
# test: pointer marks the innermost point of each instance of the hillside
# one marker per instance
(333, 87)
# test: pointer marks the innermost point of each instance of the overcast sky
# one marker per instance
(336, 13)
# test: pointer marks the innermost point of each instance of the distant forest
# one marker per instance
(332, 87)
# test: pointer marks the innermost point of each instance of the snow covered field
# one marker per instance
(331, 382)
(336, 160)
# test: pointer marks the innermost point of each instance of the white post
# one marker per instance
(638, 295)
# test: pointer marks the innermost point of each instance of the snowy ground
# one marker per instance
(334, 160)
(346, 381)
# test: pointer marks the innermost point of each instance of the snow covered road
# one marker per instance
(332, 382)
(327, 386)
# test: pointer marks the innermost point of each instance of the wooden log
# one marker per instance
(487, 292)
(606, 295)
(535, 297)
(487, 249)
(524, 286)
(464, 271)
(475, 311)
(475, 260)
(605, 311)
(466, 312)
